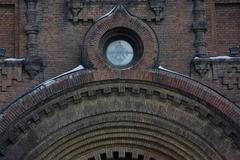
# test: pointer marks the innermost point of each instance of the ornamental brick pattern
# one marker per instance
(177, 99)
(51, 91)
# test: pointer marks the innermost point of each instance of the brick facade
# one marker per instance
(227, 24)
(183, 47)
(174, 32)
(7, 28)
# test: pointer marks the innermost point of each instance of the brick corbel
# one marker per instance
(33, 65)
(74, 9)
(202, 67)
(157, 7)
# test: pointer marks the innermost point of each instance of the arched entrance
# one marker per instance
(136, 115)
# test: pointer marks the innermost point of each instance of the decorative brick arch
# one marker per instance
(130, 25)
(25, 112)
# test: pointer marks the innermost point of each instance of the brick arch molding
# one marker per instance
(199, 118)
(91, 54)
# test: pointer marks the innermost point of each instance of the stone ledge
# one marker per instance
(220, 66)
(12, 69)
(217, 59)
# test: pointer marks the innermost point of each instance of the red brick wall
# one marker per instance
(175, 36)
(227, 26)
(7, 28)
(60, 40)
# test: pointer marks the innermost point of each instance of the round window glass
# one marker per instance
(119, 53)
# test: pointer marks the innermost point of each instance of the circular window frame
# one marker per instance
(127, 35)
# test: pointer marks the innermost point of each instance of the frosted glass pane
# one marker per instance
(119, 53)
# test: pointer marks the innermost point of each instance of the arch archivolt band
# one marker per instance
(142, 116)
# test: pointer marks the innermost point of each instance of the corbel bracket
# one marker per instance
(33, 65)
(157, 7)
(74, 9)
(202, 67)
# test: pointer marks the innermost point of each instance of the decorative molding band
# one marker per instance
(75, 9)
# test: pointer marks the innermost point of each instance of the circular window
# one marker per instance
(122, 48)
(119, 53)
